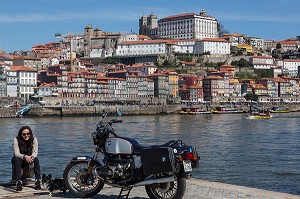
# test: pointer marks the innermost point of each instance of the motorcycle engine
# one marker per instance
(116, 168)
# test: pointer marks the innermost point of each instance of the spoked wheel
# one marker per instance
(169, 190)
(79, 183)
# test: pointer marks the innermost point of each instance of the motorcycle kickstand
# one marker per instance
(125, 194)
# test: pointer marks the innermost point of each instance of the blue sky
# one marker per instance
(24, 23)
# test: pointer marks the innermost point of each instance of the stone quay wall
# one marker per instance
(37, 111)
(97, 110)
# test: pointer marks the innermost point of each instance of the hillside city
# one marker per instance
(180, 58)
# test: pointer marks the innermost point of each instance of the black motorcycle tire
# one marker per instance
(83, 194)
(153, 192)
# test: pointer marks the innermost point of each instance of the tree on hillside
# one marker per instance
(278, 46)
(264, 73)
(251, 97)
(110, 60)
(185, 58)
(210, 64)
(221, 30)
(170, 64)
(243, 63)
(200, 60)
(246, 75)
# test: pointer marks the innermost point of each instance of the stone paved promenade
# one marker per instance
(196, 189)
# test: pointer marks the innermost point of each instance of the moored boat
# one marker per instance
(224, 110)
(192, 111)
(23, 111)
(259, 115)
(198, 112)
(184, 111)
(278, 110)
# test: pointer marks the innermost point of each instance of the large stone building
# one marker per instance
(98, 44)
(148, 25)
(188, 26)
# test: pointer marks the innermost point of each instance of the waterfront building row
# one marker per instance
(214, 86)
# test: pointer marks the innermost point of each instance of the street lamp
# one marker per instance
(72, 54)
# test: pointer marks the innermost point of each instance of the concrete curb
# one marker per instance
(196, 188)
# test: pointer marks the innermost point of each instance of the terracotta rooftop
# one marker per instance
(21, 68)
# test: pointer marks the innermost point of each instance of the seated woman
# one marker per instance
(25, 155)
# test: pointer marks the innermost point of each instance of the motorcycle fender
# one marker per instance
(84, 159)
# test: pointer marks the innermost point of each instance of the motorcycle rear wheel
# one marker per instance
(169, 190)
(74, 176)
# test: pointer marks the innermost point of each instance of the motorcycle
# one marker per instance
(162, 169)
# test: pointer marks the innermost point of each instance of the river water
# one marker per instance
(262, 154)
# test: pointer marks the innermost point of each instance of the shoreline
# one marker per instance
(65, 111)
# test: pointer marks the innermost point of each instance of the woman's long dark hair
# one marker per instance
(25, 146)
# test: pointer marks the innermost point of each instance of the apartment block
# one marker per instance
(146, 47)
(291, 67)
(262, 62)
(213, 46)
(21, 82)
(29, 62)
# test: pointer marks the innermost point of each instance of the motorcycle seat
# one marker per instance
(137, 147)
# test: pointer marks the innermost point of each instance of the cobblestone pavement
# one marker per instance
(196, 189)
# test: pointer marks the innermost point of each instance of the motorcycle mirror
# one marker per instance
(114, 120)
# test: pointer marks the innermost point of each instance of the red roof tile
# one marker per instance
(21, 68)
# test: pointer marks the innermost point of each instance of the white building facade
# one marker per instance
(188, 26)
(290, 67)
(213, 46)
(146, 47)
(184, 46)
(262, 62)
(21, 82)
(257, 43)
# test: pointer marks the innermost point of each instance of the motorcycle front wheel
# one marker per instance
(169, 190)
(79, 182)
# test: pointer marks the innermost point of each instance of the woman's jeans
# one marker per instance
(18, 164)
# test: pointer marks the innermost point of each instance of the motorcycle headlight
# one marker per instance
(98, 137)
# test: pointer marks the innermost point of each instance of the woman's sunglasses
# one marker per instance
(25, 134)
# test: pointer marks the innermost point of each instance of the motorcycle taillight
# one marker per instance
(188, 156)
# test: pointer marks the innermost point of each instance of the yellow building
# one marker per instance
(173, 83)
(248, 48)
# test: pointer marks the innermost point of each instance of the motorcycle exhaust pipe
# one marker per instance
(154, 181)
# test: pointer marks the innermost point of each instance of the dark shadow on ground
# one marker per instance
(98, 196)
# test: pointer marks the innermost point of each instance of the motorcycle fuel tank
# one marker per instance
(118, 146)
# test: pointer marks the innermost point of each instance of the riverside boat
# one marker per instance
(23, 111)
(225, 110)
(278, 110)
(192, 111)
(258, 115)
